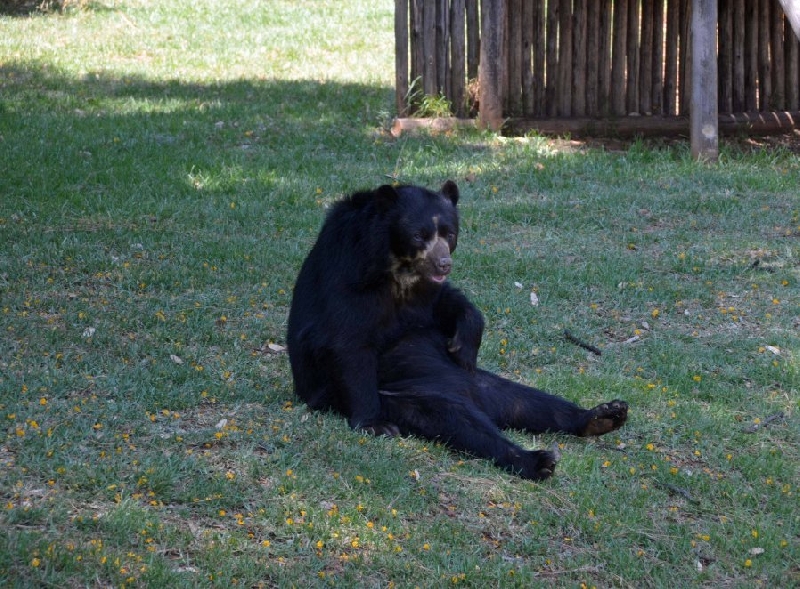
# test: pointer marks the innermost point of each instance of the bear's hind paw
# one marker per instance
(605, 418)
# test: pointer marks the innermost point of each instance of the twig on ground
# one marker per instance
(754, 427)
(678, 491)
(580, 343)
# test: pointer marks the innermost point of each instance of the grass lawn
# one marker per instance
(164, 168)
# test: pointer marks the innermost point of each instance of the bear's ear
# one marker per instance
(450, 190)
(385, 196)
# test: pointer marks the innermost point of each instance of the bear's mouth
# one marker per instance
(438, 278)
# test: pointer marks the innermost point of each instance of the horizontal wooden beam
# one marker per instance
(443, 125)
(762, 123)
(759, 123)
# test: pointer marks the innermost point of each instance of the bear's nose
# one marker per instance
(445, 265)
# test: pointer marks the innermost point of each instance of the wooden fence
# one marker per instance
(595, 58)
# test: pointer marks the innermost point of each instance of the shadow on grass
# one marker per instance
(23, 8)
(73, 136)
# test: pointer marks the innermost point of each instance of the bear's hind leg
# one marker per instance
(516, 406)
(458, 423)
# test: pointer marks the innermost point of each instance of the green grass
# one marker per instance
(165, 168)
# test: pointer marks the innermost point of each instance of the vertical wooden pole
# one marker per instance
(528, 29)
(658, 58)
(551, 64)
(579, 73)
(764, 63)
(458, 57)
(739, 69)
(778, 65)
(593, 58)
(443, 48)
(473, 40)
(604, 77)
(632, 50)
(538, 62)
(685, 82)
(514, 53)
(646, 60)
(492, 71)
(704, 118)
(725, 58)
(792, 60)
(401, 57)
(564, 99)
(671, 58)
(618, 57)
(429, 74)
(751, 55)
(417, 50)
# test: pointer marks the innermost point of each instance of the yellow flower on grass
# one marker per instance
(36, 562)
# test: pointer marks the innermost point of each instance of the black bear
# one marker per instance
(377, 334)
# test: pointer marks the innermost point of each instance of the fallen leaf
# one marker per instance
(276, 347)
(88, 332)
(774, 349)
(534, 299)
(176, 359)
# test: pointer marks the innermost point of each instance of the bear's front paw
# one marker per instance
(464, 356)
(538, 465)
(381, 428)
(605, 418)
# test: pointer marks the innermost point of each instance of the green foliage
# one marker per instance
(166, 166)
(428, 105)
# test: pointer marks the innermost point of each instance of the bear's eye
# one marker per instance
(418, 237)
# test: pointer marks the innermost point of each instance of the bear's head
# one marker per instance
(423, 233)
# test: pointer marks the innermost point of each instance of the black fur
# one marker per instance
(377, 334)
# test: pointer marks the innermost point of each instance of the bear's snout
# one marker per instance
(444, 265)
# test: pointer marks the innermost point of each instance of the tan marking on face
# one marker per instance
(407, 272)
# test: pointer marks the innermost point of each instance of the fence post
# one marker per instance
(704, 116)
(492, 69)
(401, 57)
